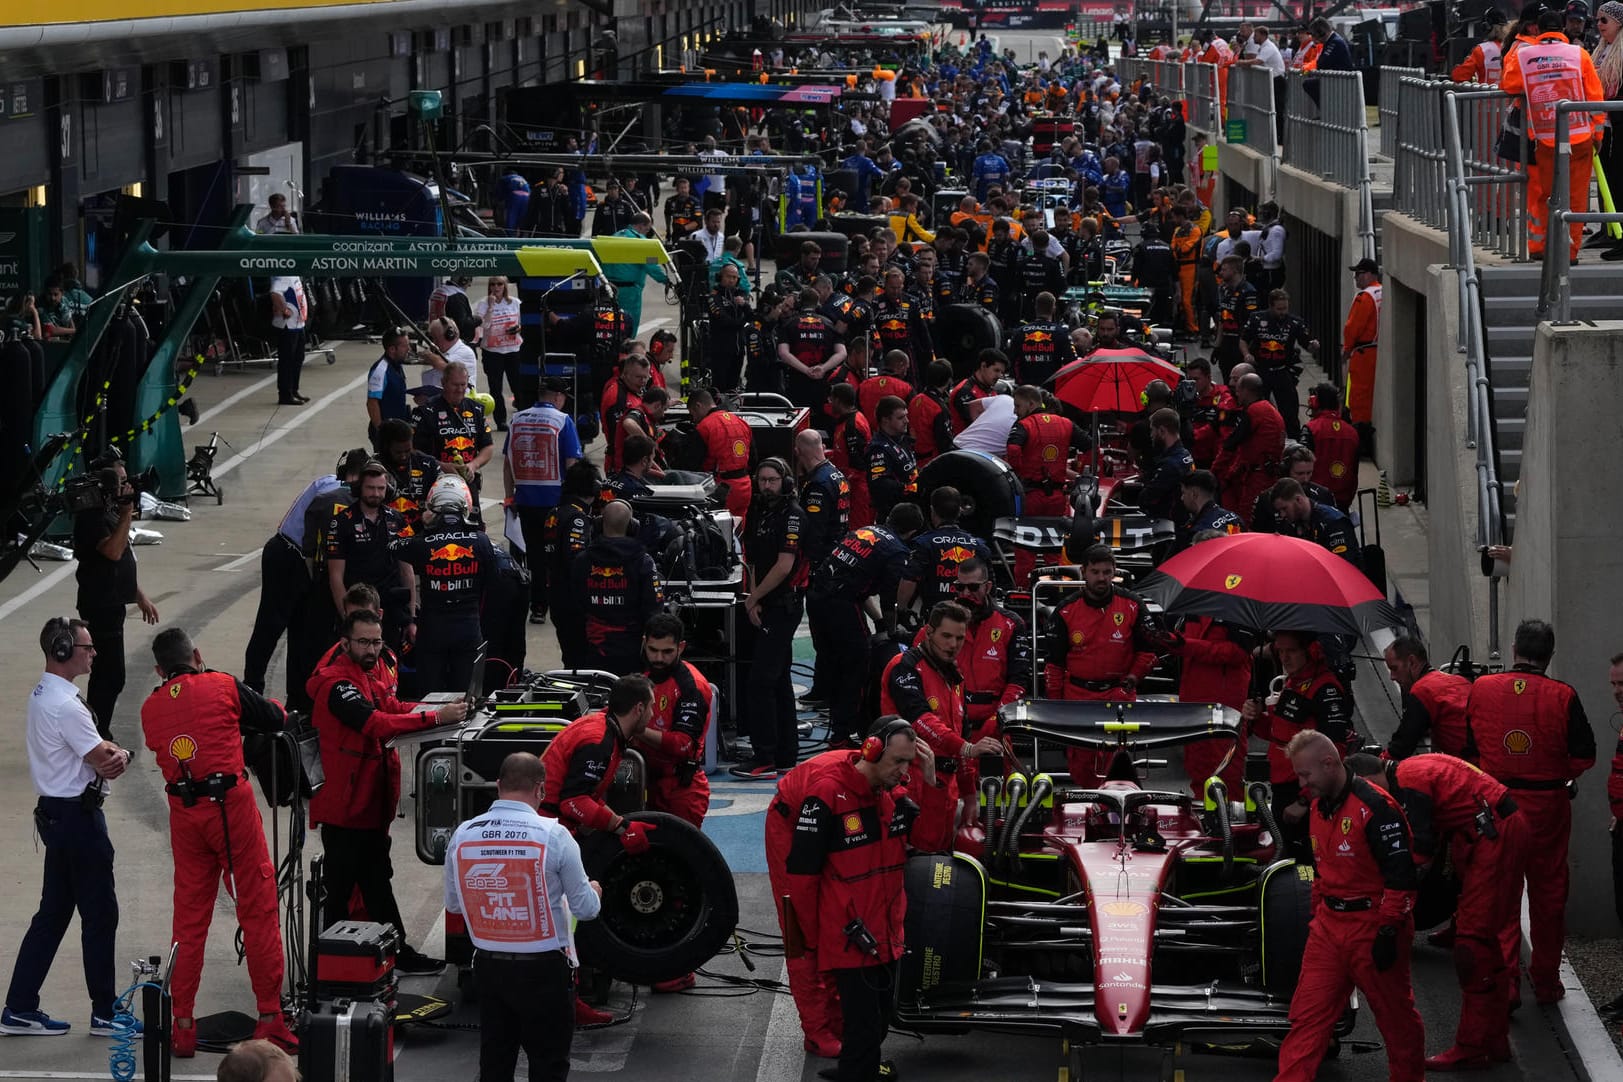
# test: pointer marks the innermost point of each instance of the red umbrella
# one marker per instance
(1112, 379)
(1270, 582)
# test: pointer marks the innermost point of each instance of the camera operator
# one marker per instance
(107, 584)
(845, 885)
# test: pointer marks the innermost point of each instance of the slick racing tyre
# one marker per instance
(989, 488)
(962, 331)
(665, 912)
(1285, 902)
(946, 914)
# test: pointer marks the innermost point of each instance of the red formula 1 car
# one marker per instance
(1126, 918)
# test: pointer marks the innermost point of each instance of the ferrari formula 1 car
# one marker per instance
(1126, 917)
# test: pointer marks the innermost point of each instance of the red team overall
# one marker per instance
(673, 743)
(923, 687)
(1216, 668)
(1530, 732)
(194, 723)
(1363, 918)
(815, 997)
(1447, 799)
(1097, 647)
(727, 443)
(1039, 452)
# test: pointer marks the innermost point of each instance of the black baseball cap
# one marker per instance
(555, 385)
(1365, 265)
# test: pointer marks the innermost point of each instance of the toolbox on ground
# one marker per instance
(356, 959)
(347, 1040)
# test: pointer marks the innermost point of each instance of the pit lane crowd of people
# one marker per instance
(384, 578)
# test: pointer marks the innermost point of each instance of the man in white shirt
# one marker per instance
(516, 878)
(279, 220)
(715, 193)
(1263, 52)
(289, 310)
(1267, 54)
(1271, 238)
(1245, 43)
(448, 347)
(991, 426)
(70, 765)
(712, 236)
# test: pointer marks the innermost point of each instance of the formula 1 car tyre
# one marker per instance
(988, 485)
(961, 332)
(665, 912)
(1285, 901)
(946, 913)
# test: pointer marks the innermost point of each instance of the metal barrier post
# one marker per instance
(1389, 110)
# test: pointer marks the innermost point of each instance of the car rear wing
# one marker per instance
(1147, 723)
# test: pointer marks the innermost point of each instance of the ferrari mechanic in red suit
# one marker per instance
(356, 714)
(995, 660)
(1530, 732)
(673, 743)
(1363, 917)
(580, 765)
(852, 831)
(1446, 799)
(816, 998)
(1215, 668)
(1098, 646)
(194, 723)
(922, 686)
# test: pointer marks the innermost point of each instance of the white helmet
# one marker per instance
(449, 495)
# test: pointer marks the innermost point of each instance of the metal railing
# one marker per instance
(1555, 284)
(1327, 134)
(1387, 108)
(1495, 215)
(1200, 91)
(1167, 77)
(1419, 160)
(1322, 136)
(1472, 337)
(1251, 98)
(1130, 69)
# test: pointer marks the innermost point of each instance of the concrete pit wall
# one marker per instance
(1567, 558)
(1240, 165)
(1413, 259)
